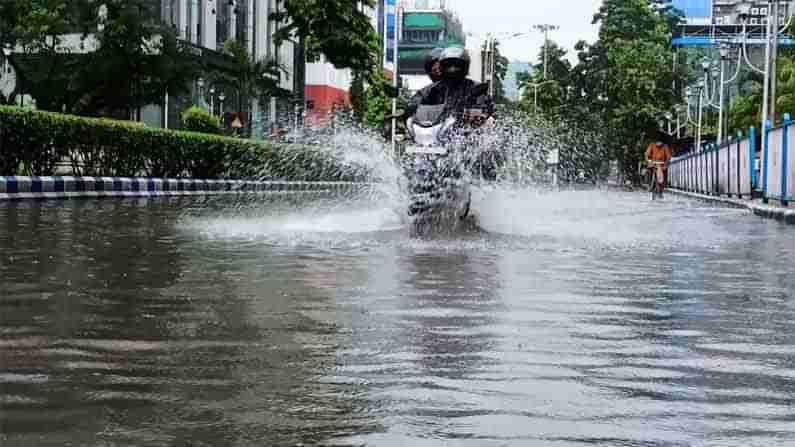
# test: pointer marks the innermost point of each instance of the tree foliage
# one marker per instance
(39, 29)
(196, 119)
(139, 59)
(550, 92)
(500, 71)
(250, 78)
(626, 77)
(96, 58)
(338, 29)
(621, 84)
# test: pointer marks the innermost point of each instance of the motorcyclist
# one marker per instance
(457, 92)
(469, 101)
(434, 72)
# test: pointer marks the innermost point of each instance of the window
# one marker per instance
(762, 11)
(754, 21)
(222, 23)
(754, 11)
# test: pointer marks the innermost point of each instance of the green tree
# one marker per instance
(252, 79)
(785, 101)
(358, 95)
(378, 102)
(139, 59)
(500, 70)
(197, 119)
(338, 29)
(96, 58)
(49, 66)
(625, 78)
(552, 95)
(745, 113)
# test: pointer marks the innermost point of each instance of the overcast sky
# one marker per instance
(572, 16)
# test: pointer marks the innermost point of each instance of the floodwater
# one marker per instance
(572, 318)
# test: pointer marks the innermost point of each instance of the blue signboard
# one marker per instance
(390, 30)
(694, 9)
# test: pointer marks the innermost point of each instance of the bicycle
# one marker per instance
(657, 179)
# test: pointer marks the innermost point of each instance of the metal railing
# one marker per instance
(721, 170)
(742, 166)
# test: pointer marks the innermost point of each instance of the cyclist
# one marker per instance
(659, 152)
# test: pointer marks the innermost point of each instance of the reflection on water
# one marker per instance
(199, 322)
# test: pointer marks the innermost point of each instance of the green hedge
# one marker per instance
(34, 142)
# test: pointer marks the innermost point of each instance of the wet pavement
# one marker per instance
(573, 319)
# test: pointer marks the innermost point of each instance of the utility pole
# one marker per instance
(491, 66)
(774, 56)
(396, 74)
(546, 28)
(724, 54)
(768, 52)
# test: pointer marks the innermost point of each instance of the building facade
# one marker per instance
(327, 88)
(426, 24)
(726, 12)
(208, 25)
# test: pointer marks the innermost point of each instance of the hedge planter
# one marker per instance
(33, 143)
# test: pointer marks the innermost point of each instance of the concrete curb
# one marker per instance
(19, 188)
(769, 212)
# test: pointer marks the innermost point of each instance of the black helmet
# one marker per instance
(432, 58)
(454, 62)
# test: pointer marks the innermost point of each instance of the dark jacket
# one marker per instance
(457, 96)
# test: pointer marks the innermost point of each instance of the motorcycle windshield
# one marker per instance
(428, 115)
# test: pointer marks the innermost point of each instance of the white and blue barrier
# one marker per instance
(737, 168)
(719, 170)
(778, 164)
(17, 187)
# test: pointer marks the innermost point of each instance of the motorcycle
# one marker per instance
(437, 168)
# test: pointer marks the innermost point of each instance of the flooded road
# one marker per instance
(579, 318)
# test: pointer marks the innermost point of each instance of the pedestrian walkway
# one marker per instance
(757, 206)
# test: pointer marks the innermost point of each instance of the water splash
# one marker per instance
(518, 203)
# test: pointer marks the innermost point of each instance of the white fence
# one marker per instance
(726, 170)
(778, 167)
(741, 166)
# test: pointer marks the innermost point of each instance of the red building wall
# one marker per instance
(323, 99)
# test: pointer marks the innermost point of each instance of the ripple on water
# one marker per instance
(572, 318)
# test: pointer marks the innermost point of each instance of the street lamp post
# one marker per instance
(701, 91)
(200, 84)
(724, 55)
(221, 99)
(535, 86)
(6, 57)
(396, 74)
(212, 101)
(766, 87)
(774, 56)
(546, 28)
(489, 56)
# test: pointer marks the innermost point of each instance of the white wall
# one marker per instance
(323, 73)
(209, 23)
